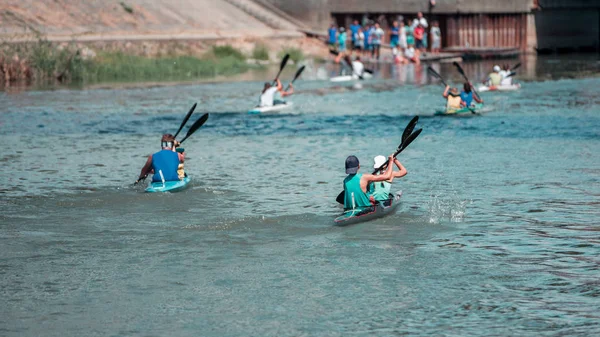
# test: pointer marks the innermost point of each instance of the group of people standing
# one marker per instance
(407, 40)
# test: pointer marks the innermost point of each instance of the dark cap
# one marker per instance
(351, 165)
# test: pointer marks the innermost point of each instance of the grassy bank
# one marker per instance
(44, 62)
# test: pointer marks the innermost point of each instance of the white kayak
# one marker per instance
(511, 87)
(347, 78)
(273, 108)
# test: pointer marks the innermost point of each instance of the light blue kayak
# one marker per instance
(169, 186)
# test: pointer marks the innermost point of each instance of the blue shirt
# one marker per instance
(332, 35)
(395, 31)
(167, 162)
(467, 97)
(354, 29)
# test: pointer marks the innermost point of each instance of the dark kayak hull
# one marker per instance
(380, 210)
(169, 186)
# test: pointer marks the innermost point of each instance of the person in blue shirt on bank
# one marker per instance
(355, 185)
(467, 96)
(354, 28)
(164, 164)
(395, 37)
(332, 35)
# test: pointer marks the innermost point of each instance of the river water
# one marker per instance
(498, 231)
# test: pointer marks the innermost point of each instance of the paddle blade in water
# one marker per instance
(187, 117)
(340, 198)
(196, 126)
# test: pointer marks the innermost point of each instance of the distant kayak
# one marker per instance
(273, 108)
(511, 87)
(380, 210)
(169, 186)
(474, 109)
(347, 78)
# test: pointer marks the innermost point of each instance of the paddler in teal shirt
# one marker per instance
(381, 190)
(355, 184)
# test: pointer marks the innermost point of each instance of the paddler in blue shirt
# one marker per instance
(381, 190)
(164, 163)
(355, 184)
(467, 95)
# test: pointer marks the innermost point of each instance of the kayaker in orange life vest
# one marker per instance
(164, 163)
(355, 184)
(452, 95)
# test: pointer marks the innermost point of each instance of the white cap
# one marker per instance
(497, 68)
(379, 160)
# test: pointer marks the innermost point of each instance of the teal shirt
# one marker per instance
(352, 188)
(380, 190)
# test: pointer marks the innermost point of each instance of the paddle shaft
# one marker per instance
(462, 72)
(298, 73)
(281, 66)
(434, 73)
(187, 117)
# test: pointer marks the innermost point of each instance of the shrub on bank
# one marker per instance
(45, 62)
(123, 67)
(260, 52)
(296, 54)
(40, 61)
(228, 51)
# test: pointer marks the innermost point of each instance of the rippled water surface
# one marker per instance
(498, 232)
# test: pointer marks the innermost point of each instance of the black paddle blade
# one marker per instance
(368, 71)
(409, 140)
(436, 75)
(281, 66)
(516, 66)
(460, 69)
(196, 126)
(187, 117)
(298, 73)
(284, 61)
(333, 52)
(340, 198)
(409, 128)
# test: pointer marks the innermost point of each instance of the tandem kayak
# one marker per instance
(474, 109)
(273, 108)
(169, 186)
(511, 87)
(380, 210)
